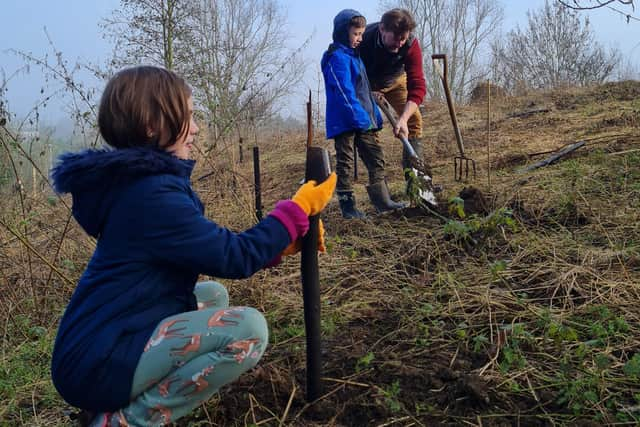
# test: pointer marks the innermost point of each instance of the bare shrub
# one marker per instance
(556, 49)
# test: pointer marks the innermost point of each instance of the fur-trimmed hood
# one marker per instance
(94, 177)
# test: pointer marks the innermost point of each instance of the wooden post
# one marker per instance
(256, 179)
(240, 150)
(552, 159)
(309, 123)
(489, 135)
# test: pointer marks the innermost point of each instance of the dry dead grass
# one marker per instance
(535, 324)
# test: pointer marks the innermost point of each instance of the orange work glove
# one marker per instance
(313, 198)
(295, 247)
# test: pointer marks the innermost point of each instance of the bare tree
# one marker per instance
(609, 4)
(462, 30)
(233, 52)
(557, 48)
(593, 4)
(627, 70)
(149, 31)
(4, 118)
(4, 109)
(241, 63)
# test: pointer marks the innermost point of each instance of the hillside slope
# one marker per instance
(525, 316)
(520, 309)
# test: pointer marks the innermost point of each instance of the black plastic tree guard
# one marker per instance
(317, 169)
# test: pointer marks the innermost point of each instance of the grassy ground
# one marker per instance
(522, 313)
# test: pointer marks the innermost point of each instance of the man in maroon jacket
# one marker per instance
(393, 59)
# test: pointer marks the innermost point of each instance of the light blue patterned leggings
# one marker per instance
(190, 356)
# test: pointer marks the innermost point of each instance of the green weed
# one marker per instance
(480, 342)
(391, 395)
(474, 227)
(560, 333)
(632, 369)
(24, 376)
(579, 393)
(512, 354)
(456, 207)
(364, 362)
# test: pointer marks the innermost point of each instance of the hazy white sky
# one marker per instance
(73, 27)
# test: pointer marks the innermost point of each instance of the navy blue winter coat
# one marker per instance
(350, 105)
(152, 242)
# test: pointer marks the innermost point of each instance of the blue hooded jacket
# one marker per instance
(350, 105)
(152, 242)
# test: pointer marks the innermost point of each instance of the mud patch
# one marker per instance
(551, 217)
(474, 201)
(509, 161)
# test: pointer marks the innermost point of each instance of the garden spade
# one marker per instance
(461, 163)
(423, 177)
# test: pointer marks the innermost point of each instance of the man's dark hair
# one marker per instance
(398, 21)
(144, 105)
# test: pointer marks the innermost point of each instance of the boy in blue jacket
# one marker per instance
(141, 343)
(352, 113)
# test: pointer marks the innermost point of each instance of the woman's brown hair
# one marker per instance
(144, 105)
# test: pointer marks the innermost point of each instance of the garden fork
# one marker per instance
(461, 163)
